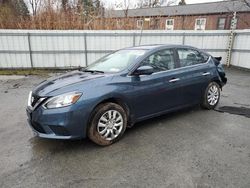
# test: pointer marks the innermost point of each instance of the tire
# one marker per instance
(108, 123)
(211, 96)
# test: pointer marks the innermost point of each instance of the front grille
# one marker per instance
(34, 100)
(59, 130)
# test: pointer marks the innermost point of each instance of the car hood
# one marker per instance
(55, 83)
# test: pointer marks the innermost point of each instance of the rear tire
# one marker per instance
(108, 123)
(211, 96)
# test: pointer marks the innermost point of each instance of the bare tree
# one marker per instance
(65, 5)
(124, 6)
(182, 2)
(235, 6)
(247, 3)
(35, 4)
(156, 3)
(168, 2)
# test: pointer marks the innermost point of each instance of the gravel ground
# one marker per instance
(189, 148)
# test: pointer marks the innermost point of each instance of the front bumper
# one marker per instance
(62, 123)
(48, 135)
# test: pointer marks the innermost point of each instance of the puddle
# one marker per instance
(243, 111)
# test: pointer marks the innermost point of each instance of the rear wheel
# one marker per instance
(108, 123)
(211, 96)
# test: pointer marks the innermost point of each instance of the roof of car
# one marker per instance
(156, 46)
(146, 47)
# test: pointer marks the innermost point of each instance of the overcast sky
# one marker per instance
(110, 3)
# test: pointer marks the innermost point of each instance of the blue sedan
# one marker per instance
(122, 88)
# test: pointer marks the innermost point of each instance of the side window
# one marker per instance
(190, 57)
(200, 24)
(204, 57)
(161, 61)
(169, 24)
(221, 23)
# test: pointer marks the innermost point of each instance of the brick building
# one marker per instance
(205, 16)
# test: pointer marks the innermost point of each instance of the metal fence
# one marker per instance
(68, 49)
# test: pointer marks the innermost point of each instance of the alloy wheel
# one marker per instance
(213, 95)
(110, 124)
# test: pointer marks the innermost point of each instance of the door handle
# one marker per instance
(206, 73)
(174, 80)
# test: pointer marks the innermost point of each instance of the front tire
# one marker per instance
(108, 123)
(211, 96)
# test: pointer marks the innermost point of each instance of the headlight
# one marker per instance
(64, 100)
(30, 99)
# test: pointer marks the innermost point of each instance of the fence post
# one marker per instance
(133, 39)
(30, 51)
(86, 49)
(183, 39)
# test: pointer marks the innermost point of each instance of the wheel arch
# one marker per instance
(118, 101)
(217, 81)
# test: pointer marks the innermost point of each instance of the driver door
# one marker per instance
(155, 93)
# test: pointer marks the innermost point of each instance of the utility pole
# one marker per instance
(144, 20)
(141, 32)
(231, 39)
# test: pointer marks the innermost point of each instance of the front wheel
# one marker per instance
(211, 96)
(108, 123)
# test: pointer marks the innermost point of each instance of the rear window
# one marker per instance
(189, 57)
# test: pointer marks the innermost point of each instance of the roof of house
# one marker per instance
(189, 9)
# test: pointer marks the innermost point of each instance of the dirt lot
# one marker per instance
(190, 148)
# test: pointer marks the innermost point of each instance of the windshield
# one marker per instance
(116, 61)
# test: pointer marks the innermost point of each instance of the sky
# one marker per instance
(110, 3)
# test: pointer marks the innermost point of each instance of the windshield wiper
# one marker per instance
(92, 71)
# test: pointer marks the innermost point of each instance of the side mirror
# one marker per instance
(144, 70)
(218, 58)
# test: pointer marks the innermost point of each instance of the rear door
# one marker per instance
(194, 74)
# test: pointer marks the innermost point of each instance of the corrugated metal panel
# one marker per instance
(63, 49)
(242, 40)
(92, 57)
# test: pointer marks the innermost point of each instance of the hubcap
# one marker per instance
(110, 124)
(213, 95)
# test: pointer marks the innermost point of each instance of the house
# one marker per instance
(204, 16)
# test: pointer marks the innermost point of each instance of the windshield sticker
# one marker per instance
(114, 70)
